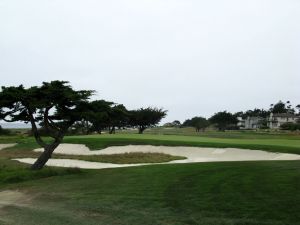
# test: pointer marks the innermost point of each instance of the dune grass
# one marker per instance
(126, 158)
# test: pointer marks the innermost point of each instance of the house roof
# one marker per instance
(286, 115)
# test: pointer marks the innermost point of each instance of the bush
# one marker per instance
(4, 131)
(290, 126)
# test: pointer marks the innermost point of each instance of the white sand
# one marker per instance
(2, 146)
(193, 154)
(74, 163)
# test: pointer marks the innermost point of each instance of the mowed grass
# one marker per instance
(274, 144)
(223, 193)
(228, 193)
(24, 148)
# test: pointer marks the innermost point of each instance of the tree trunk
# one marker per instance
(112, 130)
(45, 156)
(141, 130)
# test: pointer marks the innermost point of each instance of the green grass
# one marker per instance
(275, 142)
(12, 172)
(237, 193)
(223, 193)
(240, 134)
(268, 144)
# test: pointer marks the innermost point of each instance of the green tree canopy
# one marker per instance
(54, 105)
(146, 117)
(282, 107)
(118, 117)
(223, 120)
(99, 115)
(199, 123)
(254, 113)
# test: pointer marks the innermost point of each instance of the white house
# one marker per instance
(241, 123)
(253, 122)
(276, 120)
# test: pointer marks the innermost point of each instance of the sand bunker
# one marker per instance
(192, 154)
(74, 163)
(2, 146)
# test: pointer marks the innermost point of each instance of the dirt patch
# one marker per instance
(15, 198)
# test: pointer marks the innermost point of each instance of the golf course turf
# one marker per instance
(223, 193)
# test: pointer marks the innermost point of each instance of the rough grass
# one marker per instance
(12, 172)
(223, 193)
(235, 193)
(126, 158)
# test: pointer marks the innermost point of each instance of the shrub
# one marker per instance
(290, 126)
(4, 131)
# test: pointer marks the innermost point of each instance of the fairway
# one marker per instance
(268, 142)
(289, 144)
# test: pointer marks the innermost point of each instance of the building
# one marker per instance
(250, 123)
(241, 123)
(253, 122)
(275, 120)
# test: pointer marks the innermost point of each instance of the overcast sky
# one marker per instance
(192, 57)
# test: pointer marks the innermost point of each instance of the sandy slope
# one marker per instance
(193, 154)
(2, 146)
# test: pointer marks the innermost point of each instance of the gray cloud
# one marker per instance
(190, 57)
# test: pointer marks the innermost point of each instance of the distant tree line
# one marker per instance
(221, 120)
(227, 121)
(103, 115)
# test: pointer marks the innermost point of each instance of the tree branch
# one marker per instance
(51, 129)
(35, 130)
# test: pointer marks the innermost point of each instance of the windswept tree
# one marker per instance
(146, 117)
(298, 108)
(282, 107)
(223, 120)
(118, 117)
(99, 115)
(175, 123)
(254, 113)
(54, 104)
(81, 127)
(199, 123)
